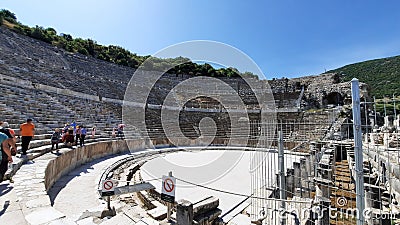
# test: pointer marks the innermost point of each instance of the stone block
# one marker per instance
(205, 205)
(158, 213)
(184, 212)
(43, 215)
(41, 201)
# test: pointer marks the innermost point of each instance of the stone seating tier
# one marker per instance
(41, 63)
(48, 111)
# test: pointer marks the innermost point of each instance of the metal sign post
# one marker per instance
(108, 202)
(282, 179)
(168, 192)
(108, 188)
(125, 189)
(169, 211)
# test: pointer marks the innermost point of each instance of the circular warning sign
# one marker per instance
(169, 185)
(168, 189)
(108, 185)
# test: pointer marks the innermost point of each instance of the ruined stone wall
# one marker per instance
(319, 91)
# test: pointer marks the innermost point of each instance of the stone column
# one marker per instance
(290, 182)
(324, 213)
(313, 160)
(388, 123)
(304, 175)
(184, 212)
(323, 187)
(369, 204)
(297, 175)
(308, 165)
(386, 139)
(396, 122)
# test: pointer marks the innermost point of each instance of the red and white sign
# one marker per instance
(108, 186)
(168, 185)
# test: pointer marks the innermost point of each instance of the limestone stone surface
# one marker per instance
(43, 216)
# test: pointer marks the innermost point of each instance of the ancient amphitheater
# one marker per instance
(54, 87)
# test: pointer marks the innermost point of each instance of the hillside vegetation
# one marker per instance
(115, 54)
(382, 75)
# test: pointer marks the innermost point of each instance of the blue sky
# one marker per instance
(287, 38)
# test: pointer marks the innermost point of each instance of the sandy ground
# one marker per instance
(223, 170)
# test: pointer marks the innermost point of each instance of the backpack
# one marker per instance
(55, 136)
(3, 137)
(6, 132)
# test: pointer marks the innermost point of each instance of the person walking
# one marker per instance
(55, 138)
(27, 131)
(77, 134)
(83, 135)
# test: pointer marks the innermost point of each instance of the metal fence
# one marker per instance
(346, 175)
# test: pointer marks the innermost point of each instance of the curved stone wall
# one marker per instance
(69, 160)
(36, 177)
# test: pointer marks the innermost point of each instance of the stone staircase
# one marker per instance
(343, 197)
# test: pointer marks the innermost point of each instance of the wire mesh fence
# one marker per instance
(320, 172)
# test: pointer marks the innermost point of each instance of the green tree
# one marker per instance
(41, 34)
(67, 37)
(380, 74)
(83, 51)
(90, 46)
(9, 16)
(51, 31)
(22, 29)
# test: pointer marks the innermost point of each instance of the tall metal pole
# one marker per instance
(384, 105)
(375, 122)
(282, 180)
(394, 107)
(169, 205)
(366, 120)
(358, 152)
(108, 203)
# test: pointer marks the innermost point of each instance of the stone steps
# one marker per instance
(37, 143)
(49, 109)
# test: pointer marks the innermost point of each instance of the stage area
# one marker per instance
(213, 173)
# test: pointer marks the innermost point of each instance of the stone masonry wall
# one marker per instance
(66, 162)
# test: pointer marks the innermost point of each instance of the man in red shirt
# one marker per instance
(27, 132)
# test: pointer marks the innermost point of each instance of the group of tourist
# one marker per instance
(8, 145)
(71, 134)
(118, 131)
